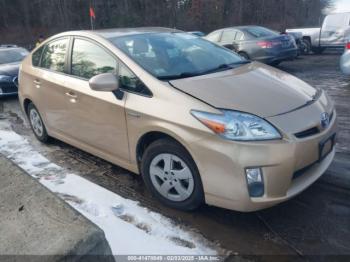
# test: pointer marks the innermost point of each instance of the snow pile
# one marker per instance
(129, 228)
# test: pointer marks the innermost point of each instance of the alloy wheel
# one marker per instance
(36, 122)
(171, 177)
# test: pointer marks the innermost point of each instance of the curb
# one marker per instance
(36, 222)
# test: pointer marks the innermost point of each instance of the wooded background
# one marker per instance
(22, 21)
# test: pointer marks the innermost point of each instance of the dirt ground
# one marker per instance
(315, 226)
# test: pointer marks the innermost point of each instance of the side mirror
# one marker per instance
(104, 82)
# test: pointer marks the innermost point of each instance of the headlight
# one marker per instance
(238, 126)
(4, 78)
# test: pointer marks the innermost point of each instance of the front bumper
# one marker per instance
(222, 166)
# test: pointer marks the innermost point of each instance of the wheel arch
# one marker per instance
(26, 103)
(151, 136)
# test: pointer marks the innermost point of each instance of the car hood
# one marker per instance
(9, 69)
(253, 88)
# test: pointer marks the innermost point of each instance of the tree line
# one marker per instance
(22, 21)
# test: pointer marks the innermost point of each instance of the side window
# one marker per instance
(239, 36)
(89, 60)
(228, 37)
(36, 56)
(54, 55)
(214, 37)
(130, 82)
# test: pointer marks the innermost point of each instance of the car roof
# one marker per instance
(119, 32)
(241, 27)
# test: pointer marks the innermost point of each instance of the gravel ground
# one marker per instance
(315, 226)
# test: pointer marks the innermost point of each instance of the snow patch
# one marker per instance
(129, 228)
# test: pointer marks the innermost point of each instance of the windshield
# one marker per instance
(176, 55)
(260, 32)
(12, 55)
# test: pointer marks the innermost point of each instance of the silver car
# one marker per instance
(256, 43)
(345, 60)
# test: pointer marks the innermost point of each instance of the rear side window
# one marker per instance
(54, 55)
(228, 37)
(239, 36)
(89, 60)
(214, 37)
(36, 56)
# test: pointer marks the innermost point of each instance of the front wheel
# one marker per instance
(37, 123)
(171, 175)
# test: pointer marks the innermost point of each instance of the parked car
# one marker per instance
(197, 33)
(345, 60)
(10, 59)
(196, 120)
(256, 43)
(333, 33)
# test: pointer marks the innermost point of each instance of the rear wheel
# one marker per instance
(37, 124)
(306, 46)
(171, 175)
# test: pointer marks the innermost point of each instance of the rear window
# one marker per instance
(259, 32)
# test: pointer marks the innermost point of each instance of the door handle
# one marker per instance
(37, 83)
(71, 95)
(134, 114)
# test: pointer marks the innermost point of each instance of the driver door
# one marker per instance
(96, 120)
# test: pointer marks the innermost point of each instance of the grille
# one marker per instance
(309, 132)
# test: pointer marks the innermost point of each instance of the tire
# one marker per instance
(307, 47)
(37, 124)
(244, 55)
(164, 181)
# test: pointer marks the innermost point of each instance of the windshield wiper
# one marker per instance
(179, 76)
(225, 67)
(213, 70)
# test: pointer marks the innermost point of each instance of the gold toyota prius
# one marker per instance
(198, 122)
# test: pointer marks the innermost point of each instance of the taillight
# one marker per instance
(269, 44)
(348, 46)
(265, 44)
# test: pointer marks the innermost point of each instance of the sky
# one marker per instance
(342, 6)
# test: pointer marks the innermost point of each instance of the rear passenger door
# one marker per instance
(95, 120)
(49, 82)
(228, 38)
